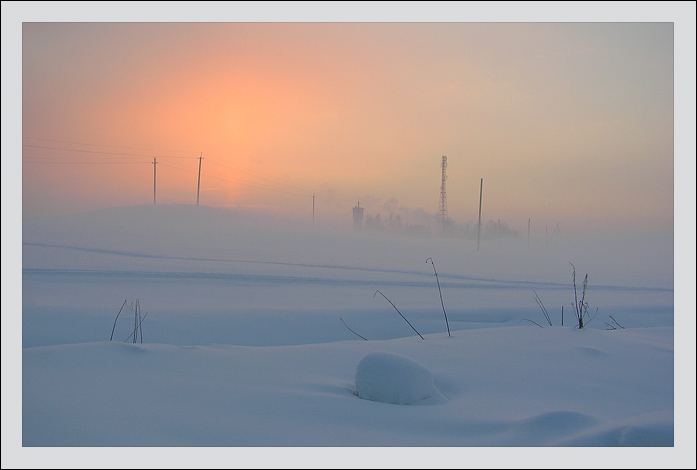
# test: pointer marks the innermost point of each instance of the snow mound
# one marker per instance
(393, 378)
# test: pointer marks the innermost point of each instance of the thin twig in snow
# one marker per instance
(531, 322)
(342, 321)
(441, 294)
(117, 317)
(616, 322)
(400, 313)
(542, 307)
(141, 321)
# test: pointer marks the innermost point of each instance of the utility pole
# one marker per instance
(528, 232)
(198, 189)
(154, 181)
(479, 225)
(443, 206)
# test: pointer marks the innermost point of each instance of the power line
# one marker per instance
(270, 183)
(102, 153)
(177, 166)
(268, 188)
(82, 163)
(255, 184)
(66, 161)
(264, 183)
(268, 180)
(251, 178)
(108, 146)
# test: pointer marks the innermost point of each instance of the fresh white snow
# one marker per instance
(251, 340)
(393, 378)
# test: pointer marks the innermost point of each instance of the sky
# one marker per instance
(556, 122)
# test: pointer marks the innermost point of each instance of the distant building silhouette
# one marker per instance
(357, 217)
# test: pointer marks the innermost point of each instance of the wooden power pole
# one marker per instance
(198, 188)
(154, 180)
(479, 225)
(528, 232)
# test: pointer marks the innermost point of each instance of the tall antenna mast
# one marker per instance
(443, 206)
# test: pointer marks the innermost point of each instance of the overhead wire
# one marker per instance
(263, 182)
(252, 184)
(174, 165)
(265, 179)
(108, 146)
(250, 177)
(83, 163)
(104, 153)
(266, 183)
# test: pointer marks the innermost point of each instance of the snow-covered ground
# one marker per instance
(258, 335)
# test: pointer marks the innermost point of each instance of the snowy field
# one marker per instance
(255, 336)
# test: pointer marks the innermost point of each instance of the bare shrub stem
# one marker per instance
(141, 321)
(526, 319)
(441, 294)
(581, 306)
(117, 317)
(400, 313)
(342, 321)
(542, 307)
(613, 327)
(616, 322)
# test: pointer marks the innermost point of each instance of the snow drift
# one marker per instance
(393, 378)
(244, 345)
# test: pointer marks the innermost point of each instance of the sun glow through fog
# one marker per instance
(564, 122)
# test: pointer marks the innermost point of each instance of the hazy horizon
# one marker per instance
(567, 125)
(563, 123)
(575, 120)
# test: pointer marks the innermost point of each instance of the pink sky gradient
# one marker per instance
(569, 123)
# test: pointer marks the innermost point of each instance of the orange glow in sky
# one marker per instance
(564, 122)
